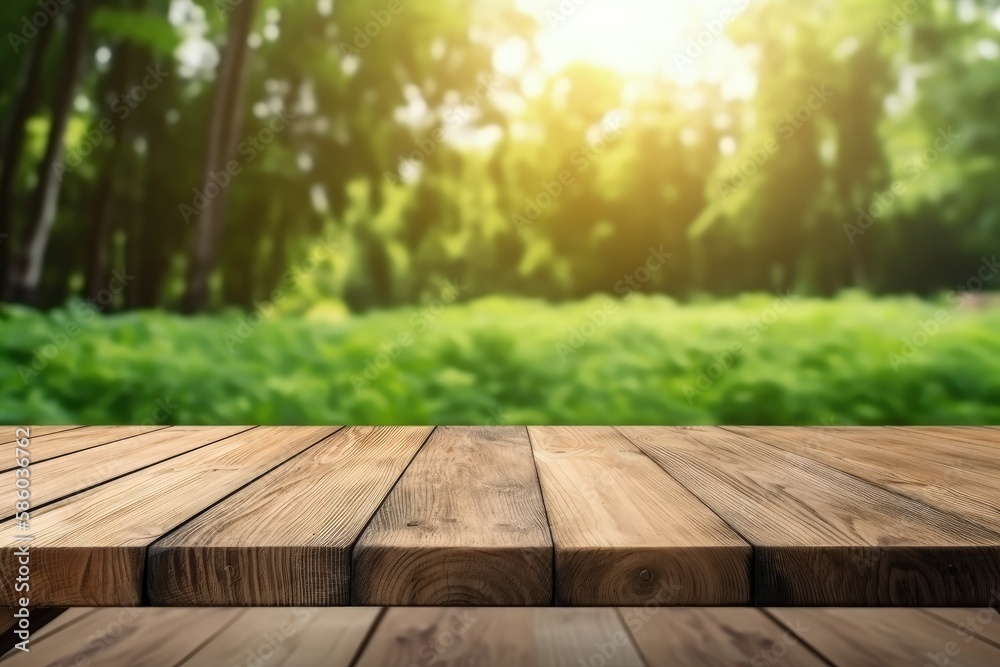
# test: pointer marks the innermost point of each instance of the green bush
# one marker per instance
(645, 360)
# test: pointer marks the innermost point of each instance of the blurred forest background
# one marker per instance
(472, 211)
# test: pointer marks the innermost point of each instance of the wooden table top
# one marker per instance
(508, 516)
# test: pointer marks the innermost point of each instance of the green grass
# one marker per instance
(512, 361)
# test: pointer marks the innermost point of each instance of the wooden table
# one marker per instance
(509, 516)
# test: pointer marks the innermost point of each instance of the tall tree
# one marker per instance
(25, 102)
(223, 135)
(45, 198)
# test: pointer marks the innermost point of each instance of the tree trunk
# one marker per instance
(25, 103)
(101, 221)
(224, 128)
(45, 199)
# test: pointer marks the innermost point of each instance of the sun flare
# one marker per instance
(683, 39)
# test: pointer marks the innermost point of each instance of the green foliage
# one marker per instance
(800, 361)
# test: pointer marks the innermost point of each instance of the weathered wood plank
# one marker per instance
(89, 550)
(300, 637)
(953, 454)
(882, 637)
(716, 637)
(10, 436)
(823, 537)
(494, 637)
(75, 440)
(966, 493)
(285, 539)
(61, 477)
(985, 435)
(465, 525)
(984, 622)
(133, 637)
(626, 533)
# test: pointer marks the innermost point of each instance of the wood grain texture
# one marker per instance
(61, 477)
(887, 637)
(301, 637)
(465, 525)
(10, 432)
(984, 622)
(474, 637)
(986, 435)
(823, 537)
(948, 454)
(717, 637)
(133, 637)
(44, 622)
(285, 539)
(626, 533)
(89, 550)
(966, 493)
(66, 442)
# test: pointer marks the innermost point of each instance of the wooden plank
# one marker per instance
(67, 442)
(61, 477)
(882, 637)
(717, 637)
(290, 637)
(984, 622)
(984, 435)
(967, 493)
(89, 550)
(44, 622)
(285, 539)
(823, 537)
(949, 454)
(133, 637)
(36, 432)
(626, 533)
(487, 637)
(465, 525)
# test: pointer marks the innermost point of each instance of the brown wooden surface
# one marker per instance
(505, 637)
(626, 533)
(716, 637)
(823, 537)
(60, 443)
(880, 638)
(61, 477)
(502, 516)
(465, 525)
(286, 539)
(90, 549)
(964, 492)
